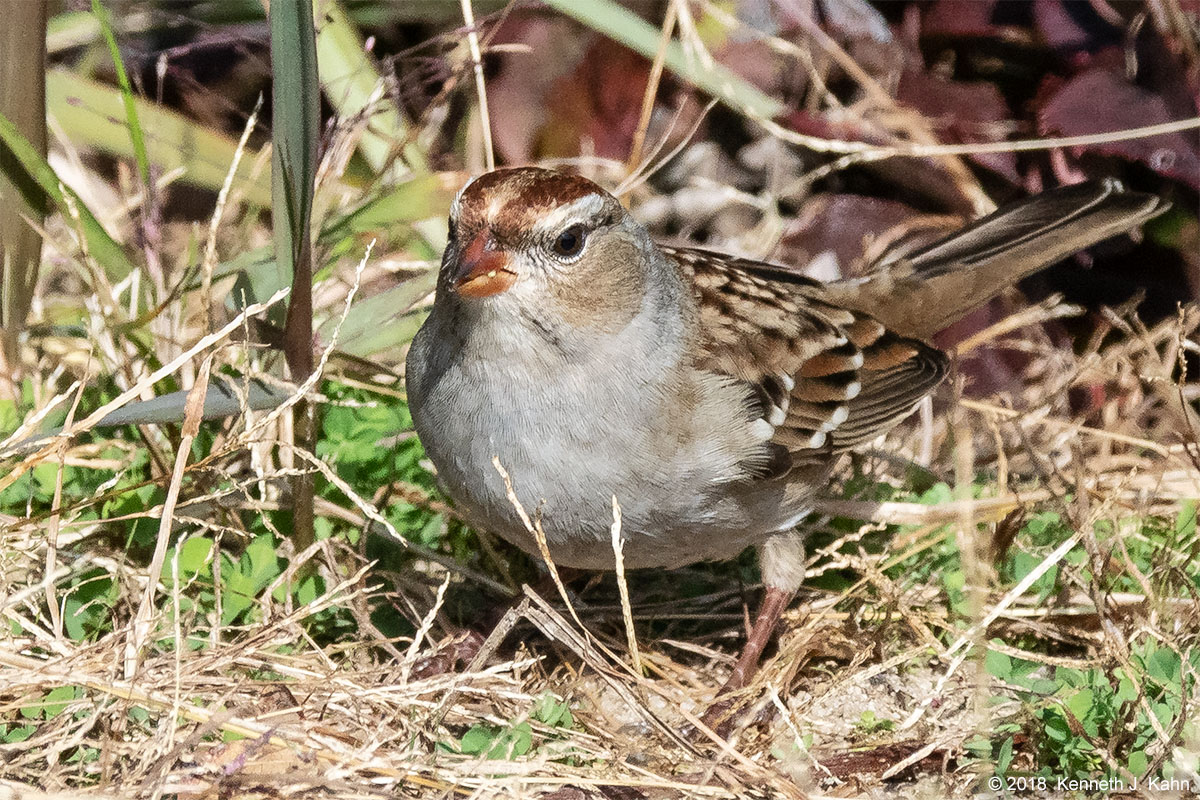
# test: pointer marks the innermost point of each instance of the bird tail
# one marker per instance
(919, 293)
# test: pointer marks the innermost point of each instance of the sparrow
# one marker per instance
(710, 395)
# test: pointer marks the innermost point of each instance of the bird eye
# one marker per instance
(569, 243)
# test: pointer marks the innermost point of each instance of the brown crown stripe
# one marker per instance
(526, 194)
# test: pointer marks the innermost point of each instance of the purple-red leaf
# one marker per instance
(1100, 101)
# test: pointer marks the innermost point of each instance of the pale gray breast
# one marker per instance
(627, 419)
(572, 441)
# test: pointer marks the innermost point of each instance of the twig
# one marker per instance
(539, 535)
(864, 151)
(480, 89)
(656, 70)
(139, 628)
(208, 264)
(618, 545)
(54, 523)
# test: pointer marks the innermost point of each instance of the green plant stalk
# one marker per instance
(136, 136)
(296, 119)
(22, 100)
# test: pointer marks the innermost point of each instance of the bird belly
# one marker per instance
(568, 449)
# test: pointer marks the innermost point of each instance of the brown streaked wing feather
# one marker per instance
(825, 378)
(889, 393)
(753, 327)
(894, 375)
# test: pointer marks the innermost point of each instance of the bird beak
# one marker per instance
(483, 270)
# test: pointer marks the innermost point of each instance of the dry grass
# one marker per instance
(265, 710)
(170, 701)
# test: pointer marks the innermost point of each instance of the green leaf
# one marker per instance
(1126, 691)
(19, 733)
(422, 197)
(516, 742)
(254, 571)
(194, 557)
(87, 608)
(1005, 756)
(91, 114)
(353, 84)
(308, 590)
(57, 700)
(553, 712)
(1070, 677)
(478, 739)
(494, 743)
(1081, 704)
(100, 245)
(136, 137)
(1056, 726)
(1164, 666)
(998, 665)
(1044, 686)
(629, 29)
(262, 561)
(979, 747)
(1185, 521)
(50, 704)
(1044, 528)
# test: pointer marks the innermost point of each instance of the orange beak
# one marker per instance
(483, 270)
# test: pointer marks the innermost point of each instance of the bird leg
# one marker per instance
(775, 600)
(781, 558)
(717, 716)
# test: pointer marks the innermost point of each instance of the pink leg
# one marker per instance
(775, 600)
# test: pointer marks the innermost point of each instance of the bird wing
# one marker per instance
(825, 378)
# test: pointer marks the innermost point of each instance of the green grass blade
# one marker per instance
(77, 28)
(71, 29)
(38, 172)
(92, 115)
(127, 97)
(23, 100)
(622, 25)
(421, 198)
(385, 321)
(352, 85)
(296, 120)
